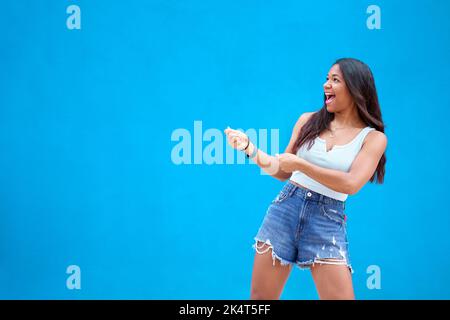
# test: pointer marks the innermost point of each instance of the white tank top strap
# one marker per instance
(362, 135)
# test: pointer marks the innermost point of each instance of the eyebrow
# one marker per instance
(334, 74)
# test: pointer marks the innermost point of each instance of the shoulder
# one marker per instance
(307, 115)
(375, 139)
(304, 117)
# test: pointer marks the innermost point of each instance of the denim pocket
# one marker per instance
(334, 213)
(282, 195)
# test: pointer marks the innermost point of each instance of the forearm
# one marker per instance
(336, 180)
(268, 163)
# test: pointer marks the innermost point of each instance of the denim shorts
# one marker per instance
(303, 227)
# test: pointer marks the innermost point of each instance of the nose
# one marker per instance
(327, 84)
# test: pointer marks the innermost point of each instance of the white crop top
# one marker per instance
(340, 157)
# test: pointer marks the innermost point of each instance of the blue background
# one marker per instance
(86, 118)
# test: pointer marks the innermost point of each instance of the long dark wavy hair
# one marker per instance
(361, 85)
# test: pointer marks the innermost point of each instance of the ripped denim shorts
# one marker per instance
(303, 227)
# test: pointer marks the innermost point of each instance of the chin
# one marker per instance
(333, 107)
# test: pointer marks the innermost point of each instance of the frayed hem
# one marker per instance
(282, 261)
(310, 263)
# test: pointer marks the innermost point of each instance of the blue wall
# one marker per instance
(86, 118)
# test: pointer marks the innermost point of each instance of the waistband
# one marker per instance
(291, 188)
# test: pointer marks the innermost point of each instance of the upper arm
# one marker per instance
(295, 132)
(366, 162)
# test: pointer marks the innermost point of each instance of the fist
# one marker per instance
(236, 139)
(288, 162)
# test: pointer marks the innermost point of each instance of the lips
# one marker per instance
(330, 97)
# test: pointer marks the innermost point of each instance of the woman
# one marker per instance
(332, 153)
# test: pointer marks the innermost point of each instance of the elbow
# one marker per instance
(354, 189)
(283, 176)
(351, 187)
(282, 179)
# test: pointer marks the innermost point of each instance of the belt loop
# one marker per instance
(291, 192)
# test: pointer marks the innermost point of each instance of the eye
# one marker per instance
(335, 80)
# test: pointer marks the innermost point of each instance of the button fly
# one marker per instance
(309, 194)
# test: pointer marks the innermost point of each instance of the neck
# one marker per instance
(348, 118)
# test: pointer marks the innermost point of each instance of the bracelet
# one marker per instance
(254, 153)
(248, 143)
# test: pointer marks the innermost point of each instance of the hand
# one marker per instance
(237, 139)
(288, 162)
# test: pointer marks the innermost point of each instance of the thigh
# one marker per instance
(269, 274)
(333, 281)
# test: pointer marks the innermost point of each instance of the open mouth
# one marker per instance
(330, 98)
